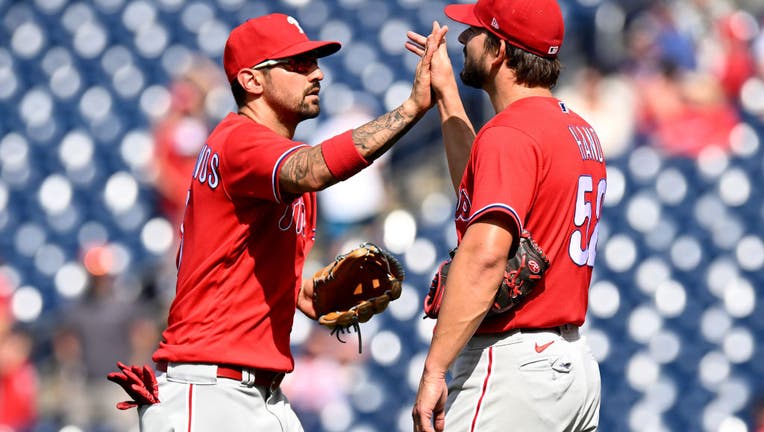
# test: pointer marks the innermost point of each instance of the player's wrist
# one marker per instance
(433, 369)
(342, 157)
(449, 101)
(412, 110)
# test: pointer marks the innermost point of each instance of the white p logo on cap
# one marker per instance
(293, 21)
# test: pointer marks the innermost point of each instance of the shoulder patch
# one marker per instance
(563, 107)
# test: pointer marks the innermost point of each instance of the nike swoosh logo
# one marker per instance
(541, 348)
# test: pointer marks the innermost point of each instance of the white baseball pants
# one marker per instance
(194, 399)
(529, 381)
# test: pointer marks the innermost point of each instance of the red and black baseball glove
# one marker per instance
(521, 275)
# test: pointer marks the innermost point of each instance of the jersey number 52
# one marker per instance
(584, 238)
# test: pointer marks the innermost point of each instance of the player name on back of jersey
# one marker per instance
(206, 169)
(588, 143)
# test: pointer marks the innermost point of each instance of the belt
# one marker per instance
(247, 376)
(560, 330)
(565, 330)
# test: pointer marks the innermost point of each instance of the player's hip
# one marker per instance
(198, 400)
(542, 379)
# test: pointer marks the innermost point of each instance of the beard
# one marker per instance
(472, 75)
(309, 109)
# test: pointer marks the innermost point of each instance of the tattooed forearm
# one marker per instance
(305, 170)
(375, 137)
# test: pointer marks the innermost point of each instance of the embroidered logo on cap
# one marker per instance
(494, 23)
(553, 49)
(293, 21)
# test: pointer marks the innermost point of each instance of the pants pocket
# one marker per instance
(546, 378)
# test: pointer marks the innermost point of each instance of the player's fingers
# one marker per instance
(440, 421)
(420, 425)
(429, 50)
(416, 38)
(416, 49)
(152, 378)
(422, 422)
(117, 377)
(439, 34)
(442, 35)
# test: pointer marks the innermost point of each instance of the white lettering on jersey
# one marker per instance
(588, 143)
(464, 206)
(206, 170)
(583, 240)
(294, 214)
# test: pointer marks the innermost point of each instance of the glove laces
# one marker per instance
(355, 325)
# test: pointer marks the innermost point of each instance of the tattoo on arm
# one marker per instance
(305, 167)
(375, 137)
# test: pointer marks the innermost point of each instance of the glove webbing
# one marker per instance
(336, 331)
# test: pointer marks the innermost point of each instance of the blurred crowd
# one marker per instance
(679, 76)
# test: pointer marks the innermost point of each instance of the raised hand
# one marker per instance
(421, 92)
(441, 70)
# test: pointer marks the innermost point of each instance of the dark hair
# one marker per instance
(239, 94)
(530, 69)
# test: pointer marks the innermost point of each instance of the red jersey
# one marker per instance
(542, 165)
(242, 252)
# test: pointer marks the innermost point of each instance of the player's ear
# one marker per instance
(500, 54)
(251, 80)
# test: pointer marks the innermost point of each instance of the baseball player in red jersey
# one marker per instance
(534, 166)
(248, 226)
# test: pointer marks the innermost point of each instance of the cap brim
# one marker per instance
(463, 13)
(315, 48)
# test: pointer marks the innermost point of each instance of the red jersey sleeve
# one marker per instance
(506, 169)
(251, 160)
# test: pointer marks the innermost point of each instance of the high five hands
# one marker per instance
(441, 71)
(428, 48)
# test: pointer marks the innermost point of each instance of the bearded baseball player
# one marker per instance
(249, 223)
(538, 167)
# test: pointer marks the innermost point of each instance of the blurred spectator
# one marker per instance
(325, 372)
(18, 377)
(18, 382)
(64, 399)
(682, 108)
(683, 112)
(181, 133)
(607, 102)
(671, 41)
(732, 59)
(102, 322)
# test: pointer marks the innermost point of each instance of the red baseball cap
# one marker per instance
(533, 25)
(269, 37)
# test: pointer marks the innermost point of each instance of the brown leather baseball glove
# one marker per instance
(521, 275)
(355, 287)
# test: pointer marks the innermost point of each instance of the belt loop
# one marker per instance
(247, 377)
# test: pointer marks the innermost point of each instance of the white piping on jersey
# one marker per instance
(274, 180)
(492, 206)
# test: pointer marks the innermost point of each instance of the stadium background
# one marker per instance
(87, 243)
